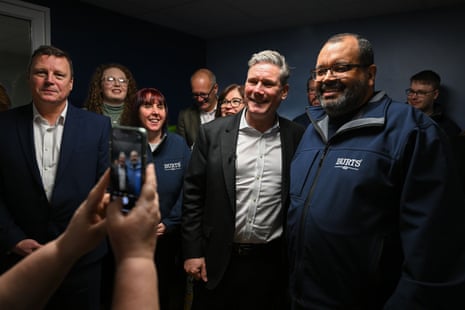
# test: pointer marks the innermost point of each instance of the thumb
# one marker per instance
(203, 273)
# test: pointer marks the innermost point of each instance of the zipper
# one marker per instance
(305, 211)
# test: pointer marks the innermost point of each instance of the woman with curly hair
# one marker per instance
(112, 86)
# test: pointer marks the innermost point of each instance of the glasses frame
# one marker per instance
(418, 93)
(337, 70)
(235, 105)
(112, 80)
(201, 95)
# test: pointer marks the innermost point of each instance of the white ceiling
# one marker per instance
(209, 19)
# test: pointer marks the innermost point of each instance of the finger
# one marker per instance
(148, 190)
(96, 194)
(104, 203)
(113, 213)
(203, 273)
(149, 197)
(151, 176)
(150, 187)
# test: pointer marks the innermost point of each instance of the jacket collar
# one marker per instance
(371, 114)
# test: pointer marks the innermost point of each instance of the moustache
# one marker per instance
(332, 85)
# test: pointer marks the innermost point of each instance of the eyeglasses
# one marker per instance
(203, 95)
(112, 80)
(419, 93)
(337, 70)
(235, 102)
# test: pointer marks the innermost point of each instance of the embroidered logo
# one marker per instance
(348, 163)
(172, 166)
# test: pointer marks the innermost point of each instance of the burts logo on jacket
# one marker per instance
(348, 163)
(172, 166)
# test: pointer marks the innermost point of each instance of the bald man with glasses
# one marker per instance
(204, 96)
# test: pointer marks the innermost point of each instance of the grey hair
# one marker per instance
(275, 58)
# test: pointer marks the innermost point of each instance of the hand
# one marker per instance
(87, 226)
(197, 268)
(161, 229)
(26, 247)
(133, 234)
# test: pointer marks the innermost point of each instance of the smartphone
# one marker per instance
(128, 159)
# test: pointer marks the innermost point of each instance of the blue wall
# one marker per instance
(157, 56)
(403, 43)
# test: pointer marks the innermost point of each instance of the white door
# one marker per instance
(23, 28)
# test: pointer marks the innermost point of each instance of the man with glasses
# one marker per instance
(423, 93)
(376, 219)
(204, 94)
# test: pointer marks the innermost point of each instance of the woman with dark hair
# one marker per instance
(231, 100)
(171, 156)
(111, 88)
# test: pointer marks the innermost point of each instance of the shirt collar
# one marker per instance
(60, 121)
(244, 125)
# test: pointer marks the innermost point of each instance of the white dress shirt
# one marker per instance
(258, 184)
(206, 117)
(47, 142)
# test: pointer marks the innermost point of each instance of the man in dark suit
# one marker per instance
(119, 174)
(236, 195)
(204, 94)
(52, 155)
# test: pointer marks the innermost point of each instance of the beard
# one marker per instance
(352, 97)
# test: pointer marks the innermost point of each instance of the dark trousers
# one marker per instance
(108, 277)
(254, 280)
(171, 275)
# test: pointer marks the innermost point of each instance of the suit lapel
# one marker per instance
(69, 140)
(26, 138)
(228, 154)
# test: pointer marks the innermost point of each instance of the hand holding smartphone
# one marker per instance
(128, 159)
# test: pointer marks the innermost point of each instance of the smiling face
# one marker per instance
(50, 80)
(204, 92)
(422, 96)
(227, 107)
(114, 92)
(342, 93)
(152, 115)
(264, 92)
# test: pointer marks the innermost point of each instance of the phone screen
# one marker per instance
(128, 150)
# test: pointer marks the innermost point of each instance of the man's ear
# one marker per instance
(285, 91)
(372, 74)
